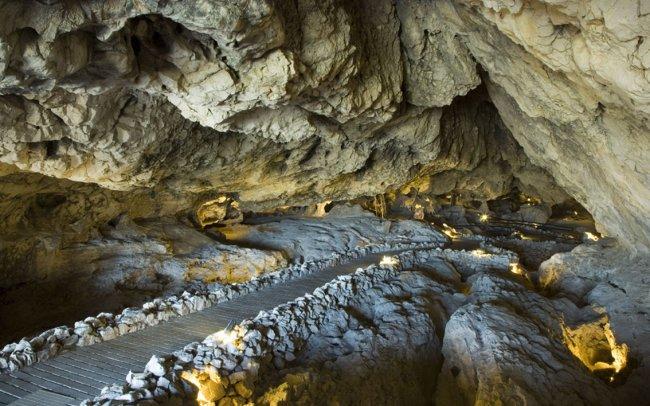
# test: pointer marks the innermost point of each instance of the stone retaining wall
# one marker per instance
(106, 326)
(225, 367)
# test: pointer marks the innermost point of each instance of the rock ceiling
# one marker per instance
(161, 103)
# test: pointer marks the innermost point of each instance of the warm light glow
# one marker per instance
(529, 200)
(450, 231)
(389, 261)
(224, 337)
(595, 346)
(516, 268)
(418, 213)
(619, 352)
(209, 383)
(481, 253)
(320, 208)
(484, 218)
(521, 235)
(591, 236)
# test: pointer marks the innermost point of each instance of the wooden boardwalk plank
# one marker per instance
(196, 326)
(43, 397)
(6, 399)
(98, 375)
(115, 359)
(217, 311)
(154, 334)
(60, 379)
(161, 337)
(20, 384)
(125, 351)
(72, 376)
(80, 373)
(12, 391)
(49, 385)
(107, 363)
(176, 330)
(85, 363)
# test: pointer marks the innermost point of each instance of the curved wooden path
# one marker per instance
(71, 377)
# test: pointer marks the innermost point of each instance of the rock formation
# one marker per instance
(130, 129)
(412, 332)
(570, 81)
(291, 103)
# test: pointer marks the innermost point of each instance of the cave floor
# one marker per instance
(81, 374)
(30, 308)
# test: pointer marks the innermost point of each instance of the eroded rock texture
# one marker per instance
(570, 80)
(164, 105)
(506, 347)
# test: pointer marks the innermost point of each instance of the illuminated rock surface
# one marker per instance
(292, 103)
(412, 333)
(147, 145)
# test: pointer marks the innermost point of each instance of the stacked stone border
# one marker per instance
(106, 326)
(225, 367)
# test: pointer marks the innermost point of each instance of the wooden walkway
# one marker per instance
(71, 377)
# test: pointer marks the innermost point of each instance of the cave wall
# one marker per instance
(570, 80)
(298, 102)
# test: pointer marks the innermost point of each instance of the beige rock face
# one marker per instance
(570, 81)
(479, 158)
(222, 210)
(288, 103)
(438, 66)
(293, 106)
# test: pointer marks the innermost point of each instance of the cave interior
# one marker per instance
(367, 202)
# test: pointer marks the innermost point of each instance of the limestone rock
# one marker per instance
(298, 103)
(124, 263)
(156, 366)
(507, 347)
(603, 275)
(438, 66)
(209, 389)
(291, 113)
(569, 83)
(222, 210)
(151, 110)
(477, 158)
(343, 229)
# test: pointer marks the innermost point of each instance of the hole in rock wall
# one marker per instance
(51, 148)
(222, 210)
(595, 345)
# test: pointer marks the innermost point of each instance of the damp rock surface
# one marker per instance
(123, 264)
(343, 228)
